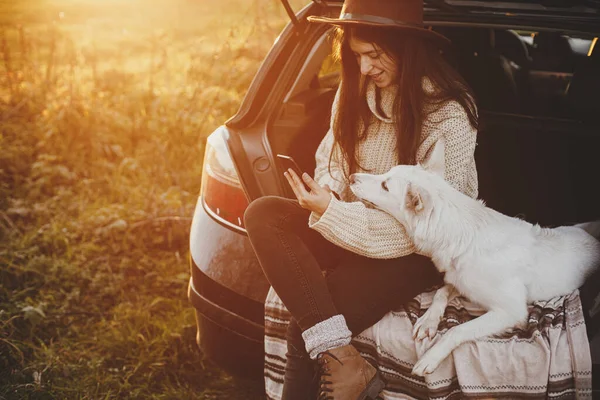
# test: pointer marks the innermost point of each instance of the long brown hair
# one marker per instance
(415, 57)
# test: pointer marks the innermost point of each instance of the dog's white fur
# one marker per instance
(499, 262)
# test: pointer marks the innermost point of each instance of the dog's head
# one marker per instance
(405, 191)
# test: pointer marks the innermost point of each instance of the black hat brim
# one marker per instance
(440, 39)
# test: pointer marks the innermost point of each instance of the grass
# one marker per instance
(104, 106)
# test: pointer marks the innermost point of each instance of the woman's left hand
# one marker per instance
(316, 200)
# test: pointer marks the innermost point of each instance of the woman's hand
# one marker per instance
(316, 200)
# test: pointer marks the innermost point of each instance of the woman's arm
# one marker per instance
(366, 231)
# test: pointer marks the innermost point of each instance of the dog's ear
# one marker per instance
(436, 162)
(414, 199)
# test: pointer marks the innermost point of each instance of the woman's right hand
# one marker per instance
(316, 200)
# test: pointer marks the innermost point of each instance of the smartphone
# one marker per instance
(287, 162)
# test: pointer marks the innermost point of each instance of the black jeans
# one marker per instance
(316, 280)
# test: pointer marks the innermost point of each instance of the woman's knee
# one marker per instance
(266, 211)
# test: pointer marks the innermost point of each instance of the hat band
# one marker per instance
(377, 20)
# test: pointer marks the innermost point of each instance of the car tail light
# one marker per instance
(221, 192)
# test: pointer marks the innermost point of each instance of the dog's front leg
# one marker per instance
(492, 322)
(428, 323)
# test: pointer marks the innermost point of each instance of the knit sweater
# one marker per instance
(373, 233)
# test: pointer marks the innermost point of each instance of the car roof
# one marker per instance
(569, 16)
(534, 15)
(589, 6)
(580, 5)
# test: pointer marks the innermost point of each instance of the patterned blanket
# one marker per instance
(550, 359)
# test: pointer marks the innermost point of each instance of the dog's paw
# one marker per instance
(521, 326)
(426, 326)
(429, 362)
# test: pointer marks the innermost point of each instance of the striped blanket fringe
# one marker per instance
(548, 359)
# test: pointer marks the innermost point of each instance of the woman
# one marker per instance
(337, 264)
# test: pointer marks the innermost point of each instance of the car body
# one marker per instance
(531, 65)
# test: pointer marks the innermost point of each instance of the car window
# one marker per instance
(329, 73)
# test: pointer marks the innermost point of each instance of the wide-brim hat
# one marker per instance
(401, 14)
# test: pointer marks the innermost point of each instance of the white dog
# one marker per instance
(499, 262)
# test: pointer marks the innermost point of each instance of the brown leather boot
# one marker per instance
(346, 375)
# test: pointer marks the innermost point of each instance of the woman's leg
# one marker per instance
(365, 289)
(293, 258)
(361, 289)
(300, 380)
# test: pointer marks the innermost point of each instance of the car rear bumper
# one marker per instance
(233, 342)
(244, 327)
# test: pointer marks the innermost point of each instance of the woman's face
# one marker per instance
(374, 62)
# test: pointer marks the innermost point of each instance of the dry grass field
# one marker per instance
(104, 107)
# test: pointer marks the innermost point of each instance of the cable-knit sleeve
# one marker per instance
(374, 233)
(366, 231)
(327, 173)
(451, 122)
